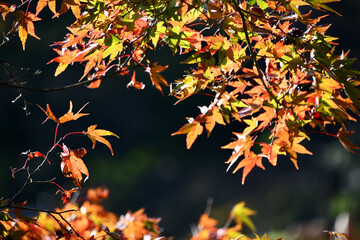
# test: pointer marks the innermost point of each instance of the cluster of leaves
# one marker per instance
(91, 221)
(72, 165)
(207, 228)
(266, 64)
(87, 221)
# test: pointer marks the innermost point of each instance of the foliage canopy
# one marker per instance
(267, 65)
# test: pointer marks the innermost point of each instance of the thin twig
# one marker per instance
(44, 210)
(30, 176)
(15, 83)
(71, 227)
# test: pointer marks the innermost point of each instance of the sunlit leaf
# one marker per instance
(156, 78)
(69, 116)
(96, 135)
(73, 166)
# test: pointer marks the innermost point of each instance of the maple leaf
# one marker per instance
(319, 4)
(156, 78)
(72, 165)
(75, 6)
(297, 148)
(42, 3)
(94, 60)
(248, 163)
(26, 26)
(213, 117)
(270, 152)
(192, 130)
(241, 215)
(241, 145)
(5, 10)
(67, 57)
(97, 135)
(343, 138)
(66, 117)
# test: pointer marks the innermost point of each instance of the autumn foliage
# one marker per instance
(266, 65)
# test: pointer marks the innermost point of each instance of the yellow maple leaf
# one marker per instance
(97, 135)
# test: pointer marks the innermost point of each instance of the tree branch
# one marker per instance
(252, 53)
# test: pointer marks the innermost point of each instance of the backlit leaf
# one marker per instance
(248, 163)
(192, 131)
(42, 3)
(156, 78)
(69, 116)
(72, 165)
(96, 135)
(26, 26)
(212, 117)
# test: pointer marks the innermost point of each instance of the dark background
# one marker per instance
(151, 169)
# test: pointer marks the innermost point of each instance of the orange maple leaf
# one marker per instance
(241, 147)
(156, 78)
(213, 117)
(72, 165)
(270, 151)
(65, 58)
(96, 135)
(192, 130)
(75, 6)
(248, 163)
(42, 3)
(5, 10)
(66, 117)
(94, 60)
(26, 26)
(297, 148)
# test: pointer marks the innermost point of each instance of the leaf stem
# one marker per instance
(56, 131)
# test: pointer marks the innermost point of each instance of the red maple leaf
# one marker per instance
(72, 165)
